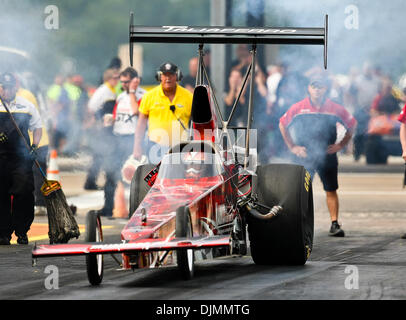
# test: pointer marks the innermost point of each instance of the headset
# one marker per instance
(158, 74)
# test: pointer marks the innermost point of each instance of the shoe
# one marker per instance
(335, 230)
(403, 237)
(22, 239)
(91, 186)
(4, 241)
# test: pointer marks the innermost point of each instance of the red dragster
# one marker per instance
(208, 196)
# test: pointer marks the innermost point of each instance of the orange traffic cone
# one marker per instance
(53, 170)
(120, 204)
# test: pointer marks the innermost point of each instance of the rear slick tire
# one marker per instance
(94, 262)
(288, 238)
(185, 258)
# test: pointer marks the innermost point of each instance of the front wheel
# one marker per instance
(185, 257)
(94, 262)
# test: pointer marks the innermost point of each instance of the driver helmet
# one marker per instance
(194, 162)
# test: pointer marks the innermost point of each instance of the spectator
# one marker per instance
(260, 81)
(235, 82)
(166, 109)
(239, 119)
(384, 102)
(115, 64)
(260, 118)
(291, 88)
(100, 104)
(83, 98)
(243, 58)
(125, 115)
(336, 92)
(78, 99)
(312, 136)
(272, 82)
(16, 176)
(59, 104)
(189, 81)
(366, 87)
(349, 90)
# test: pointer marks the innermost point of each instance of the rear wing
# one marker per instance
(228, 35)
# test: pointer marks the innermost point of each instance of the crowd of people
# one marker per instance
(119, 119)
(364, 92)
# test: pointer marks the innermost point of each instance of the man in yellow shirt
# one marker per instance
(166, 110)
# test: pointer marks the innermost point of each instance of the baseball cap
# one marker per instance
(168, 67)
(319, 80)
(7, 79)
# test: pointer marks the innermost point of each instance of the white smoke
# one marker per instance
(374, 35)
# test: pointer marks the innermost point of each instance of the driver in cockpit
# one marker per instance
(194, 165)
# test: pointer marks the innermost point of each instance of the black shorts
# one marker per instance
(328, 176)
(327, 171)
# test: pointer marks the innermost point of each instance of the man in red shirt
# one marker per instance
(402, 134)
(309, 129)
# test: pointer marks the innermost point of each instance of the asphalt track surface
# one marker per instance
(368, 264)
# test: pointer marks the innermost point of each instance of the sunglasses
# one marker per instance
(318, 85)
(128, 81)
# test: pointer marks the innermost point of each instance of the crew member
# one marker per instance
(166, 109)
(189, 81)
(42, 156)
(235, 82)
(124, 120)
(16, 176)
(59, 109)
(101, 102)
(402, 134)
(312, 121)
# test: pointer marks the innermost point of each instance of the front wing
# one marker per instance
(130, 247)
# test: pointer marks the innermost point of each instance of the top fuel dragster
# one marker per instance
(207, 195)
